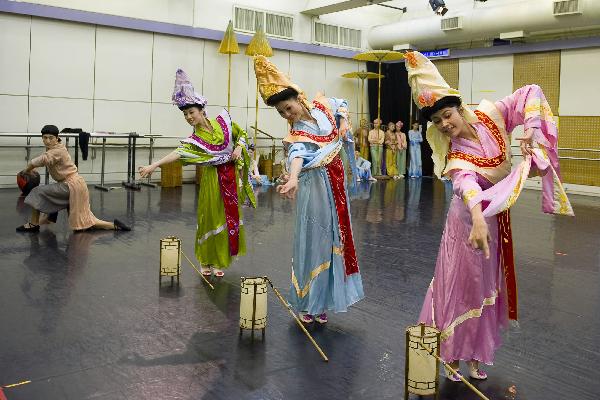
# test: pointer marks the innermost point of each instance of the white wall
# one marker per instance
(579, 82)
(488, 78)
(109, 79)
(172, 11)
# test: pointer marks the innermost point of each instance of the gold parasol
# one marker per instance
(259, 45)
(229, 46)
(362, 75)
(379, 56)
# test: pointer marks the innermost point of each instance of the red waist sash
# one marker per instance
(335, 171)
(228, 186)
(507, 261)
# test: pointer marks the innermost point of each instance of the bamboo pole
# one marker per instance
(287, 306)
(199, 273)
(362, 99)
(256, 123)
(462, 378)
(229, 83)
(379, 93)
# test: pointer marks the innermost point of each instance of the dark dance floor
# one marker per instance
(82, 315)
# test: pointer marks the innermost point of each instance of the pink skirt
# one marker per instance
(466, 299)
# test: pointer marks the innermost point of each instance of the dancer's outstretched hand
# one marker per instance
(289, 189)
(479, 237)
(146, 171)
(526, 142)
(236, 153)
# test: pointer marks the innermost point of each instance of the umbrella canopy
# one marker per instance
(259, 45)
(229, 44)
(379, 56)
(362, 75)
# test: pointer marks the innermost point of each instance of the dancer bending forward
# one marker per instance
(473, 292)
(325, 274)
(219, 146)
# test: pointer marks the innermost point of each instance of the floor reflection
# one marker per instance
(83, 315)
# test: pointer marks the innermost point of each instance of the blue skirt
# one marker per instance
(319, 282)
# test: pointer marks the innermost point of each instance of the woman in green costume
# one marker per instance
(220, 147)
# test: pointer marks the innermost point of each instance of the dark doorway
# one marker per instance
(395, 104)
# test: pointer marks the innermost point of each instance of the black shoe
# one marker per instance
(120, 226)
(30, 228)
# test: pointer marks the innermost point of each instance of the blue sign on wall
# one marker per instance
(436, 53)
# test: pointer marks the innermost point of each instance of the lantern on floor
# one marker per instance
(253, 304)
(421, 372)
(170, 258)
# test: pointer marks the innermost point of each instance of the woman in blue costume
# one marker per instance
(325, 274)
(415, 138)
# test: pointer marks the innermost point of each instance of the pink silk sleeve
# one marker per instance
(528, 107)
(465, 186)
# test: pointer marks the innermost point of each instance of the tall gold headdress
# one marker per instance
(272, 81)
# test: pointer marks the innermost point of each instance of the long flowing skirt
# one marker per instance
(376, 151)
(401, 161)
(390, 162)
(364, 151)
(212, 239)
(319, 282)
(466, 299)
(414, 169)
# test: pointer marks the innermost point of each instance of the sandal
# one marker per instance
(321, 318)
(120, 226)
(28, 227)
(206, 271)
(219, 273)
(307, 318)
(475, 372)
(453, 377)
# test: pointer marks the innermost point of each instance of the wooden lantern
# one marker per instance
(253, 304)
(421, 375)
(170, 258)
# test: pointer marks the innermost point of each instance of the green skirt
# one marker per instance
(212, 240)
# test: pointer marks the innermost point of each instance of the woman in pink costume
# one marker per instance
(473, 293)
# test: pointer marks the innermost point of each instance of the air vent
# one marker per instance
(449, 24)
(350, 37)
(326, 34)
(339, 36)
(279, 25)
(249, 20)
(568, 7)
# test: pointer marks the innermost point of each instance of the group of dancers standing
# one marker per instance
(473, 292)
(382, 150)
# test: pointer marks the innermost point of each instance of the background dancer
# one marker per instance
(69, 192)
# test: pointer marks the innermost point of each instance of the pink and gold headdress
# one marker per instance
(431, 93)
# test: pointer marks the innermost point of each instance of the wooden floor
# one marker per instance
(82, 315)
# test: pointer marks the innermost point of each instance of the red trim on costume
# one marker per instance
(483, 162)
(227, 184)
(508, 261)
(335, 171)
(317, 138)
